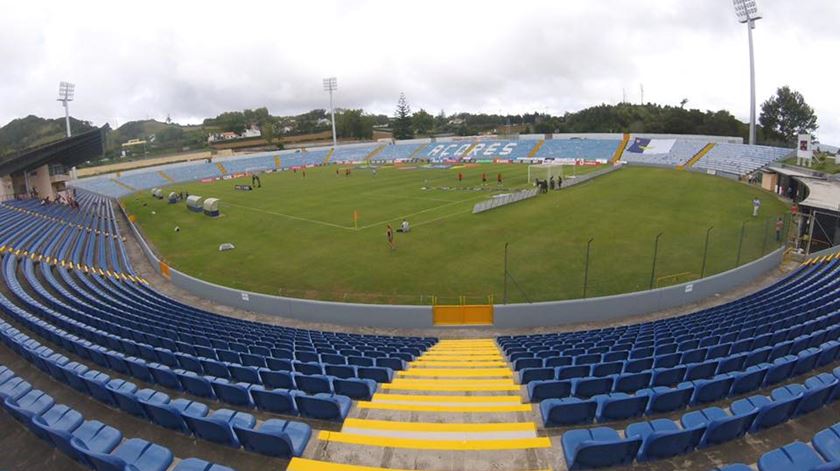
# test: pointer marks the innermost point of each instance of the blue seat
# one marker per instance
(134, 453)
(638, 365)
(668, 376)
(569, 372)
(91, 436)
(313, 384)
(598, 447)
(830, 351)
(395, 364)
(536, 374)
(588, 387)
(312, 368)
(244, 374)
(780, 369)
(567, 411)
(237, 394)
(359, 389)
(548, 389)
(664, 399)
(164, 376)
(196, 384)
(662, 438)
(718, 425)
(795, 456)
(277, 379)
(619, 406)
(827, 443)
(274, 437)
(341, 371)
(632, 382)
(95, 382)
(734, 363)
(607, 369)
(35, 402)
(280, 401)
(748, 380)
(702, 370)
(195, 464)
(806, 361)
(819, 390)
(170, 415)
(59, 417)
(218, 426)
(770, 412)
(14, 388)
(323, 406)
(215, 368)
(130, 402)
(711, 390)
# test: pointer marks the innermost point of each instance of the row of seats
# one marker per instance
(274, 437)
(665, 438)
(586, 381)
(321, 404)
(680, 153)
(605, 406)
(90, 442)
(822, 455)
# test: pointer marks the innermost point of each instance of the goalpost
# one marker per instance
(545, 171)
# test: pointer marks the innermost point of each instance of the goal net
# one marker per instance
(544, 172)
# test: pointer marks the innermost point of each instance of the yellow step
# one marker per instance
(446, 408)
(443, 385)
(460, 357)
(445, 398)
(423, 444)
(705, 150)
(303, 464)
(221, 168)
(619, 151)
(455, 364)
(329, 155)
(536, 148)
(456, 373)
(440, 427)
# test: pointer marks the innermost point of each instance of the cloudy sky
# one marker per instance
(192, 60)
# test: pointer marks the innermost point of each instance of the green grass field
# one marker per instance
(295, 236)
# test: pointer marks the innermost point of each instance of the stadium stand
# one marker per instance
(589, 149)
(740, 159)
(734, 159)
(681, 152)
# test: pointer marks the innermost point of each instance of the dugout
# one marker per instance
(157, 193)
(194, 203)
(211, 207)
(173, 198)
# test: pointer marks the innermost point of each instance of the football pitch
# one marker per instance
(297, 235)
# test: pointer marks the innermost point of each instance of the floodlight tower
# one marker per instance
(331, 85)
(66, 90)
(747, 13)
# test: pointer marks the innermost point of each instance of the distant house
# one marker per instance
(252, 131)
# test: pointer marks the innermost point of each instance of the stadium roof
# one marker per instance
(68, 152)
(822, 194)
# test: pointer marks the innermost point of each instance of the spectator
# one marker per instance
(779, 226)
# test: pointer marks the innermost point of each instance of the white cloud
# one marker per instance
(193, 60)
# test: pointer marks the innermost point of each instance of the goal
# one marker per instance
(545, 171)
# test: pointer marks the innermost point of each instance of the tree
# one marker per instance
(354, 124)
(423, 122)
(786, 115)
(402, 119)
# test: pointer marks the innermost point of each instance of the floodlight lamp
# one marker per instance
(330, 84)
(746, 10)
(66, 91)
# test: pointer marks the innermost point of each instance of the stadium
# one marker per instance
(493, 301)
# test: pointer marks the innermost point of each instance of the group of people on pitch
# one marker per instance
(550, 184)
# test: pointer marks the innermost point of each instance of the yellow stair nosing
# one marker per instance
(450, 408)
(440, 427)
(420, 444)
(445, 398)
(304, 464)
